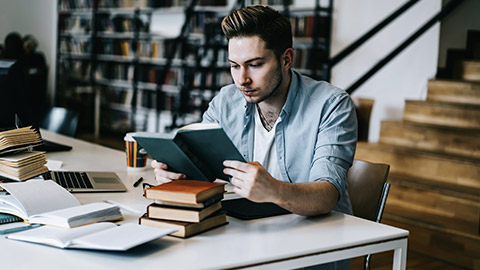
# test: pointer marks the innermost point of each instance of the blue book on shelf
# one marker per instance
(6, 218)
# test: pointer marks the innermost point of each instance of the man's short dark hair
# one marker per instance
(263, 21)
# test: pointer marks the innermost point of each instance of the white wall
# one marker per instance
(405, 77)
(35, 17)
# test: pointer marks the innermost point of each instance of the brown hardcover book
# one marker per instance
(185, 191)
(186, 229)
(182, 214)
(200, 205)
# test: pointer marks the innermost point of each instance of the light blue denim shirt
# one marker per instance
(315, 136)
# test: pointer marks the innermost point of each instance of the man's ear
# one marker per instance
(287, 58)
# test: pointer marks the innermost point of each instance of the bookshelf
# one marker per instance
(123, 75)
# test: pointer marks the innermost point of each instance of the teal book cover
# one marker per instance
(197, 150)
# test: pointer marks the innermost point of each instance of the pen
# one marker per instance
(138, 182)
(19, 229)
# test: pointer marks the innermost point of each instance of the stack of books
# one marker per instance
(17, 160)
(188, 206)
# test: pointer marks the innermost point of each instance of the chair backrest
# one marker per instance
(60, 120)
(363, 107)
(368, 189)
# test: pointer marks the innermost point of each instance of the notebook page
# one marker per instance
(120, 238)
(79, 215)
(58, 237)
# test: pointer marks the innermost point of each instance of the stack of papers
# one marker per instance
(23, 165)
(17, 162)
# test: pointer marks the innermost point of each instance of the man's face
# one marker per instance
(255, 70)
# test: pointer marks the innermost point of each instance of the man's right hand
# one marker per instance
(163, 175)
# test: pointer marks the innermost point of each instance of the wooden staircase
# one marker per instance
(434, 153)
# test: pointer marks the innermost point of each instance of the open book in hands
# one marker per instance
(46, 202)
(98, 236)
(197, 150)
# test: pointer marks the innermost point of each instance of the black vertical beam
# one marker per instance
(326, 70)
(136, 66)
(93, 63)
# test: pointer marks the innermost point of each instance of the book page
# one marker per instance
(8, 204)
(58, 237)
(38, 196)
(79, 215)
(198, 126)
(120, 238)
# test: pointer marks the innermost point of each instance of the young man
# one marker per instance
(300, 134)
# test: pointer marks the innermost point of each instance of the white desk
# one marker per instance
(282, 242)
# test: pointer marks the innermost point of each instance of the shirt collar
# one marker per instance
(293, 90)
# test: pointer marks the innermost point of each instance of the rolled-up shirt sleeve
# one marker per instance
(336, 142)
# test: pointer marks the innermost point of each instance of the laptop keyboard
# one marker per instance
(70, 180)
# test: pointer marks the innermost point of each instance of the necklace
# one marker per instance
(267, 126)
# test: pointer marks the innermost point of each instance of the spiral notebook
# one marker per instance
(6, 218)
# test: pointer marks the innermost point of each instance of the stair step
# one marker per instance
(442, 114)
(431, 138)
(443, 244)
(471, 71)
(454, 91)
(436, 206)
(446, 171)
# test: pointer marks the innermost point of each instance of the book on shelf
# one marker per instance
(196, 150)
(182, 213)
(18, 139)
(23, 165)
(46, 202)
(97, 236)
(182, 3)
(187, 229)
(185, 191)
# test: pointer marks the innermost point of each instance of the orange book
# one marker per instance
(185, 191)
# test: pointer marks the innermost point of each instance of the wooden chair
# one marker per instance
(363, 107)
(368, 191)
(60, 120)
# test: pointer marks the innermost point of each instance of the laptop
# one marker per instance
(83, 181)
(49, 146)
